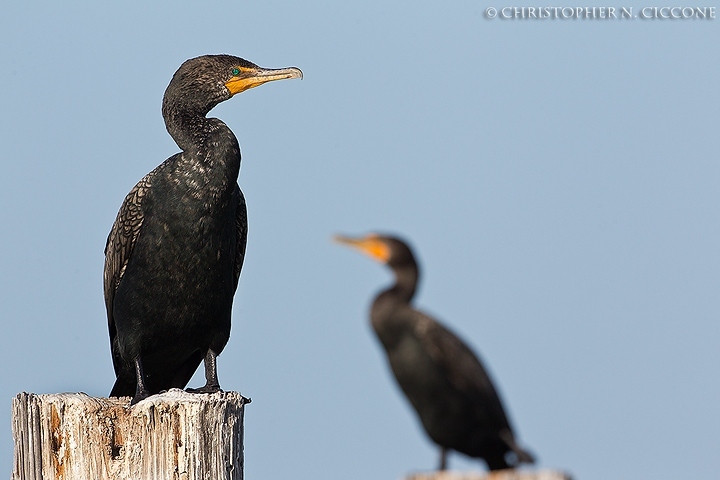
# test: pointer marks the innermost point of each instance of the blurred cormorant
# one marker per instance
(174, 254)
(443, 379)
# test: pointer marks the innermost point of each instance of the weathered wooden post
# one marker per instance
(174, 435)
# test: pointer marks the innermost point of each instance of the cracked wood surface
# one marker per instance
(174, 435)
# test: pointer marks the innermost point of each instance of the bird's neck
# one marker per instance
(189, 129)
(388, 313)
(206, 140)
(406, 279)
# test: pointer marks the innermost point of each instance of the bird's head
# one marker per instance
(202, 82)
(385, 249)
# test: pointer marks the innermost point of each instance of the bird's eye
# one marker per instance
(236, 71)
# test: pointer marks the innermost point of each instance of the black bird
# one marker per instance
(443, 379)
(174, 254)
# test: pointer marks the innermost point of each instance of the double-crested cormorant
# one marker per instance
(443, 379)
(174, 254)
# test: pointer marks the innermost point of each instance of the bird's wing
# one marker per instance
(120, 243)
(241, 229)
(461, 366)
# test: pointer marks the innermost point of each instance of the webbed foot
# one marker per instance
(139, 396)
(214, 388)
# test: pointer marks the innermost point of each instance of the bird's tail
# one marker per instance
(122, 388)
(522, 456)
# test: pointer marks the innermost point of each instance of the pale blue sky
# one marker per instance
(558, 180)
